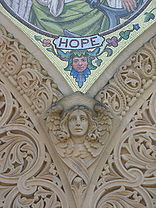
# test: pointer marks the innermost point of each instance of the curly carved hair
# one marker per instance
(64, 123)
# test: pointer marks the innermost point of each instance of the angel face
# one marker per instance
(78, 123)
(79, 131)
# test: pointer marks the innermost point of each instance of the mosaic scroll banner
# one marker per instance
(81, 37)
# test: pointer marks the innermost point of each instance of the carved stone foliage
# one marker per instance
(131, 80)
(61, 152)
(79, 133)
(128, 178)
(26, 74)
(28, 175)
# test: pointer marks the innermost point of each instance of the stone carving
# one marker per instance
(26, 74)
(91, 167)
(131, 80)
(128, 178)
(28, 175)
(79, 131)
(79, 128)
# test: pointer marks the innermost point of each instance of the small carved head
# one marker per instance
(77, 122)
(80, 125)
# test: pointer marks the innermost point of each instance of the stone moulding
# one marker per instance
(76, 151)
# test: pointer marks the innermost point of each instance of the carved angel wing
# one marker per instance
(59, 135)
(53, 120)
(20, 7)
(104, 123)
(101, 132)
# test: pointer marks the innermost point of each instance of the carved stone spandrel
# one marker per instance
(80, 129)
(79, 126)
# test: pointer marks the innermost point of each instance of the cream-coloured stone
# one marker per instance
(28, 175)
(79, 131)
(72, 151)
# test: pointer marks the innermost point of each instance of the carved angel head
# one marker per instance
(77, 122)
(79, 131)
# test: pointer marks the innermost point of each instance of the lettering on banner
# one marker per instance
(78, 42)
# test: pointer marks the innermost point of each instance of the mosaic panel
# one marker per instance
(81, 38)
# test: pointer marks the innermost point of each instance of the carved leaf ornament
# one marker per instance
(76, 151)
